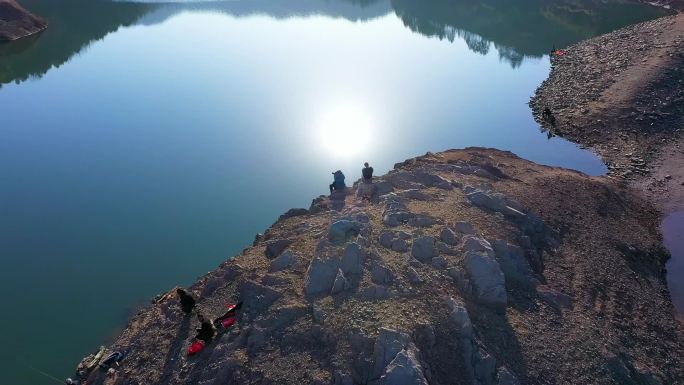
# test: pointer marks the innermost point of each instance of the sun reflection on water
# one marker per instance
(345, 130)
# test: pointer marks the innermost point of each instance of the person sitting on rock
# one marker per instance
(367, 172)
(338, 183)
(205, 334)
(186, 300)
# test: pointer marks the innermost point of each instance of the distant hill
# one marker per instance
(74, 25)
(16, 22)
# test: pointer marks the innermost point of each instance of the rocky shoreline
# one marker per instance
(622, 95)
(16, 22)
(463, 267)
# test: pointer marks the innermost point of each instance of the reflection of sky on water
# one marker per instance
(673, 237)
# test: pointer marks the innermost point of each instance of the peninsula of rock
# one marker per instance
(463, 267)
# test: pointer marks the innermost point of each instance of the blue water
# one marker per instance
(673, 238)
(143, 144)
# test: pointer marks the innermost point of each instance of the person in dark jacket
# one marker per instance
(113, 358)
(186, 300)
(338, 183)
(206, 331)
(547, 115)
(367, 173)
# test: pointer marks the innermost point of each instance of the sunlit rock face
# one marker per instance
(16, 22)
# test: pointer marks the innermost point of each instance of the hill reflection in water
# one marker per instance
(516, 30)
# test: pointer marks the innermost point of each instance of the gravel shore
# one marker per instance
(622, 95)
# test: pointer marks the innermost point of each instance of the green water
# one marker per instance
(143, 144)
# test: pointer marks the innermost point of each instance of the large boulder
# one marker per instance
(448, 236)
(343, 230)
(365, 190)
(439, 262)
(395, 361)
(459, 315)
(421, 220)
(424, 249)
(291, 213)
(496, 202)
(275, 247)
(383, 187)
(404, 180)
(283, 261)
(385, 238)
(484, 200)
(415, 194)
(487, 279)
(479, 364)
(399, 245)
(340, 284)
(381, 274)
(405, 369)
(431, 180)
(513, 263)
(388, 344)
(320, 276)
(352, 259)
(413, 276)
(474, 243)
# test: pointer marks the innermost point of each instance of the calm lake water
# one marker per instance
(143, 144)
(673, 238)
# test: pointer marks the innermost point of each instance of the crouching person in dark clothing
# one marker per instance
(338, 183)
(206, 331)
(187, 302)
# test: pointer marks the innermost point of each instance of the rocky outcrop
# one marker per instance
(487, 279)
(16, 22)
(482, 297)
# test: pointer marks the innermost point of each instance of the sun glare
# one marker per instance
(345, 131)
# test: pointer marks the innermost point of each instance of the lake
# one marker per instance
(141, 144)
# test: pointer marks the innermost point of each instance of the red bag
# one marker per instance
(196, 347)
(228, 322)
